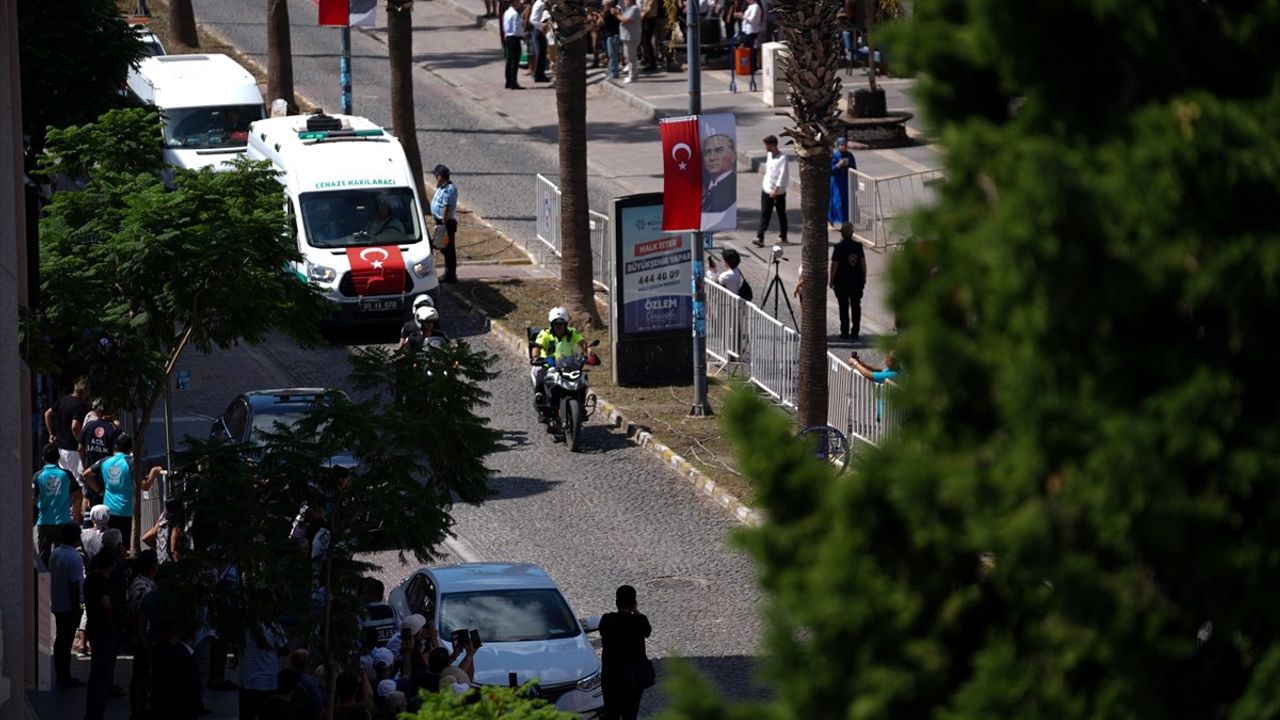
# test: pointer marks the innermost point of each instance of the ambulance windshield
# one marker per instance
(343, 218)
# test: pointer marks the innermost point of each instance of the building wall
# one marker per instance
(15, 396)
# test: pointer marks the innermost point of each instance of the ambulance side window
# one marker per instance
(292, 214)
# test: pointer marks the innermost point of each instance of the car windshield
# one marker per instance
(267, 419)
(345, 218)
(508, 615)
(212, 127)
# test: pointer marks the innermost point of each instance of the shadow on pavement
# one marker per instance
(511, 487)
(732, 675)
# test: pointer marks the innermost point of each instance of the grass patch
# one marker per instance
(662, 409)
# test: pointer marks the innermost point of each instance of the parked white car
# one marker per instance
(526, 627)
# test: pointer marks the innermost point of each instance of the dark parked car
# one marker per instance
(258, 411)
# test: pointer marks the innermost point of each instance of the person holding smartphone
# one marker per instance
(626, 669)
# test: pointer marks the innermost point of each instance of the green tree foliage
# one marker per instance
(74, 58)
(134, 269)
(418, 443)
(1087, 336)
(488, 703)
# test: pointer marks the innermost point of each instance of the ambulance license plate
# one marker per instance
(379, 305)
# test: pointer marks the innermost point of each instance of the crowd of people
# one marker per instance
(633, 36)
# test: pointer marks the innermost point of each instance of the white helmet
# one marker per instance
(425, 313)
(558, 313)
(421, 300)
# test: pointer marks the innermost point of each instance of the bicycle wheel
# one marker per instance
(829, 444)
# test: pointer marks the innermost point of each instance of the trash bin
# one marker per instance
(742, 60)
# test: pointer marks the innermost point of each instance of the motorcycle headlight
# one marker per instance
(320, 273)
(423, 268)
(590, 682)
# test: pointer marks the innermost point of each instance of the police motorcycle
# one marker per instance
(563, 404)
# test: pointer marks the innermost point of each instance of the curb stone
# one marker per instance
(639, 434)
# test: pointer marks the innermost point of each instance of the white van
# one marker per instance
(354, 209)
(206, 101)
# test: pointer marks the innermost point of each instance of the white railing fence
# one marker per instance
(740, 332)
(548, 214)
(879, 206)
(547, 197)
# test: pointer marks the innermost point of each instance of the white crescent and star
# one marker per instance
(377, 264)
(688, 154)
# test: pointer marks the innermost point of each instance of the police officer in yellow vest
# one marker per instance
(557, 342)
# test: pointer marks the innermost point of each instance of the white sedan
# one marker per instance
(527, 630)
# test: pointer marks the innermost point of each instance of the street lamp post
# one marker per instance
(344, 70)
(700, 407)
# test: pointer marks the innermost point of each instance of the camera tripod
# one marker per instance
(778, 290)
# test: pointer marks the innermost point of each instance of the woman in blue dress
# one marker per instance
(841, 162)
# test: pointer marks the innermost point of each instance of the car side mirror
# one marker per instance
(594, 343)
(590, 624)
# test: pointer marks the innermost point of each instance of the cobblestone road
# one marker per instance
(611, 515)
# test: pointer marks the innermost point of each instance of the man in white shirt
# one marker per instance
(773, 191)
(540, 19)
(752, 25)
(512, 31)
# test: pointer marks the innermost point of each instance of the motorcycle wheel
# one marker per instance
(571, 416)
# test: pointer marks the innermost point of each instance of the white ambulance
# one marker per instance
(354, 209)
(206, 101)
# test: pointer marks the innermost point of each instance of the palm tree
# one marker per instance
(572, 26)
(812, 68)
(279, 53)
(182, 23)
(400, 49)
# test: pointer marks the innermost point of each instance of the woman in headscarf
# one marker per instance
(841, 162)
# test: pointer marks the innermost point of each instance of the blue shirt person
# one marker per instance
(53, 489)
(876, 375)
(841, 163)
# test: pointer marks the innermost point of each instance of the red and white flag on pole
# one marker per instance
(699, 177)
(347, 13)
(681, 174)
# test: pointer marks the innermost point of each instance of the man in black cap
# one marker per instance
(444, 208)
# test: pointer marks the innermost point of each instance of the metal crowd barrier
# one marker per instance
(879, 206)
(724, 324)
(601, 249)
(153, 502)
(547, 197)
(548, 214)
(775, 351)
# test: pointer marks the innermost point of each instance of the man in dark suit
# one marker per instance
(175, 679)
(720, 189)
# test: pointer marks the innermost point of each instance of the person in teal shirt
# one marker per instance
(56, 493)
(112, 477)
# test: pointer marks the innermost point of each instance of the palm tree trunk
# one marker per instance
(182, 23)
(403, 120)
(811, 381)
(279, 54)
(812, 68)
(576, 288)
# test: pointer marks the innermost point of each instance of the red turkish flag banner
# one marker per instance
(377, 270)
(681, 174)
(335, 13)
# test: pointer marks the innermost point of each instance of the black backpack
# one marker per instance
(745, 291)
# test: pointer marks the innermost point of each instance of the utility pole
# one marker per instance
(344, 70)
(700, 407)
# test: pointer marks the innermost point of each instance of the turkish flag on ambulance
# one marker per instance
(377, 270)
(681, 174)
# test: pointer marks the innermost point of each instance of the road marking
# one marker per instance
(904, 161)
(460, 548)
